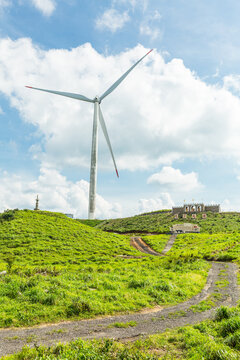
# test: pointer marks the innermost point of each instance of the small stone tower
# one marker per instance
(37, 201)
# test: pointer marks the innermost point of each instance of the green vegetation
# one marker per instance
(91, 223)
(217, 339)
(219, 246)
(156, 242)
(204, 305)
(123, 325)
(58, 268)
(161, 222)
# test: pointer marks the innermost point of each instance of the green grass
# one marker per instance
(123, 324)
(161, 222)
(217, 339)
(156, 242)
(203, 305)
(219, 246)
(91, 223)
(58, 268)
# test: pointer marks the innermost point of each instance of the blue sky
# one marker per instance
(174, 123)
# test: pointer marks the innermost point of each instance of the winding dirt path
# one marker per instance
(138, 243)
(221, 287)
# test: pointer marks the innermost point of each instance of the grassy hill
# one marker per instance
(161, 222)
(58, 268)
(45, 238)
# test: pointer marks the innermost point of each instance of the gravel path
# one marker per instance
(150, 322)
(169, 244)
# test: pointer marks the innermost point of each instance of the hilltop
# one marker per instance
(160, 222)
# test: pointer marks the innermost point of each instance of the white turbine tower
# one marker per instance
(98, 116)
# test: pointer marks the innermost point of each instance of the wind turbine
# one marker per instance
(98, 116)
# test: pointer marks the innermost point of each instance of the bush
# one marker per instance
(8, 215)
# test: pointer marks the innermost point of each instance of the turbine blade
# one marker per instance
(113, 87)
(70, 95)
(104, 129)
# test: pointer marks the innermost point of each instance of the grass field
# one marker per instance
(58, 268)
(161, 222)
(218, 247)
(217, 339)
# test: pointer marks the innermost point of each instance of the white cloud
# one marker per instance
(150, 26)
(56, 193)
(162, 112)
(47, 7)
(174, 179)
(232, 83)
(1, 111)
(112, 20)
(146, 30)
(163, 201)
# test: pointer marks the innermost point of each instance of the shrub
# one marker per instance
(8, 215)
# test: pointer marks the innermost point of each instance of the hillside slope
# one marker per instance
(161, 222)
(49, 238)
(58, 269)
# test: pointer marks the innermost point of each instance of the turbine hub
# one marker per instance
(96, 99)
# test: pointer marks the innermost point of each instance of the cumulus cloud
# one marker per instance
(46, 7)
(174, 179)
(112, 20)
(162, 112)
(163, 201)
(56, 193)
